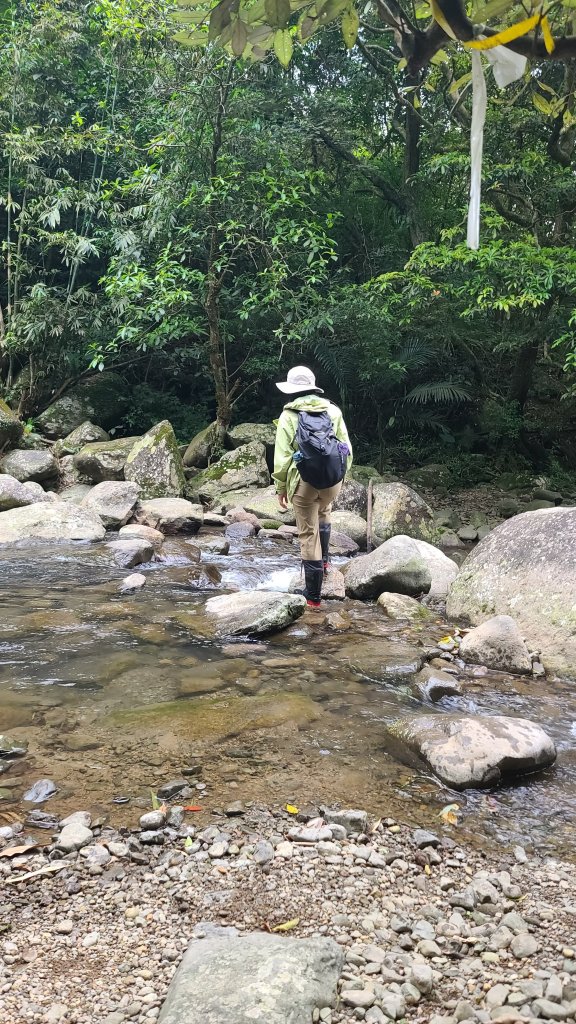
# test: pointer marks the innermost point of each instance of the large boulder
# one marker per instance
(11, 429)
(200, 448)
(443, 569)
(86, 433)
(352, 498)
(104, 460)
(237, 978)
(53, 521)
(432, 476)
(265, 433)
(526, 568)
(113, 500)
(244, 467)
(254, 613)
(262, 502)
(155, 464)
(397, 509)
(100, 399)
(352, 525)
(170, 515)
(396, 566)
(30, 465)
(14, 494)
(363, 474)
(497, 643)
(468, 751)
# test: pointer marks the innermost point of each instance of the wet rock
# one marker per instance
(381, 659)
(54, 521)
(472, 751)
(113, 500)
(350, 819)
(73, 837)
(240, 531)
(398, 510)
(243, 468)
(170, 515)
(24, 465)
(498, 644)
(132, 583)
(236, 978)
(40, 791)
(135, 532)
(525, 569)
(14, 494)
(253, 613)
(400, 606)
(395, 566)
(213, 545)
(433, 684)
(86, 433)
(104, 460)
(155, 463)
(128, 553)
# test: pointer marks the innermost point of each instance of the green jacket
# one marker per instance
(286, 475)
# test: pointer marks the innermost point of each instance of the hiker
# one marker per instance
(311, 457)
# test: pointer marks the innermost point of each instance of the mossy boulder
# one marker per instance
(244, 467)
(155, 463)
(11, 429)
(431, 476)
(100, 399)
(363, 474)
(200, 448)
(244, 433)
(262, 502)
(86, 433)
(104, 460)
(399, 510)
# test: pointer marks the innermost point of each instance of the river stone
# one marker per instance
(526, 568)
(262, 502)
(74, 837)
(396, 566)
(432, 684)
(114, 501)
(132, 583)
(76, 493)
(468, 751)
(400, 606)
(100, 399)
(381, 659)
(244, 467)
(253, 613)
(86, 433)
(497, 643)
(213, 545)
(54, 520)
(13, 494)
(199, 450)
(104, 460)
(251, 978)
(340, 544)
(34, 465)
(129, 553)
(442, 569)
(136, 532)
(155, 463)
(11, 429)
(169, 515)
(352, 525)
(397, 509)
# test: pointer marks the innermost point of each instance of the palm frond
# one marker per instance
(443, 392)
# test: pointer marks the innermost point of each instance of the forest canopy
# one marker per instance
(196, 221)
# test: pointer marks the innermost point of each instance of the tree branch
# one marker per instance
(386, 190)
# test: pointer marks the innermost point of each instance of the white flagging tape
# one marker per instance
(476, 145)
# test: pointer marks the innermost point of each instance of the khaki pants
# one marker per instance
(312, 507)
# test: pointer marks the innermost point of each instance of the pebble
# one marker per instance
(153, 820)
(524, 945)
(362, 997)
(263, 852)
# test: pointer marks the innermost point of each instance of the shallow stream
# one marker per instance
(116, 695)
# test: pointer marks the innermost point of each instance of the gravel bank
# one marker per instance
(432, 932)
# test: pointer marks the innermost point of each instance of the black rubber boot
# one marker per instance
(325, 530)
(313, 577)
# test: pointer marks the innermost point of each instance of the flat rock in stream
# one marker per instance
(228, 978)
(54, 521)
(170, 515)
(473, 751)
(253, 613)
(381, 660)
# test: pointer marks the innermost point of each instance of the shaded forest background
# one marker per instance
(198, 224)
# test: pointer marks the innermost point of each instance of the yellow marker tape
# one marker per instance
(547, 35)
(521, 28)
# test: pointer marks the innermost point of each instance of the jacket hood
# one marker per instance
(308, 403)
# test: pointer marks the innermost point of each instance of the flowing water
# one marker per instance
(118, 694)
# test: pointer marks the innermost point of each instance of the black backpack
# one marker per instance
(320, 459)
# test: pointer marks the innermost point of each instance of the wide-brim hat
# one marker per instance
(299, 378)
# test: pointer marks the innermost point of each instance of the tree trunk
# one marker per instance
(523, 374)
(216, 358)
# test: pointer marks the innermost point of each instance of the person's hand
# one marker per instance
(283, 501)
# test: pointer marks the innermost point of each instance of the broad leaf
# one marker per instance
(350, 26)
(278, 12)
(239, 38)
(283, 46)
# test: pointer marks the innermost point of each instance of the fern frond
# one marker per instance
(443, 392)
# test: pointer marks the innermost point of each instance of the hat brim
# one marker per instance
(295, 389)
